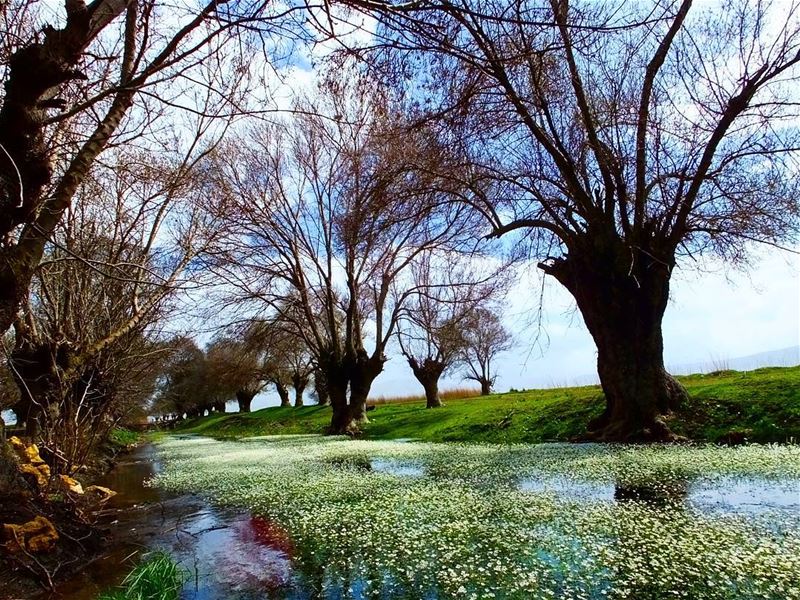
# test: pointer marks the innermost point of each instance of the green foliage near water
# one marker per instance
(158, 577)
(120, 436)
(383, 519)
(755, 406)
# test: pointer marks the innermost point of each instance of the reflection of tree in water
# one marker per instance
(268, 533)
(672, 492)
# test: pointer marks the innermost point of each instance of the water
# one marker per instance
(227, 554)
(395, 467)
(721, 495)
(232, 554)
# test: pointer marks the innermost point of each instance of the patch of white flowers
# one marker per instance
(451, 521)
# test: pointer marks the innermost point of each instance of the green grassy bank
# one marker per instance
(761, 406)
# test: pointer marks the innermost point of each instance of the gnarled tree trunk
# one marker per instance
(622, 296)
(283, 393)
(299, 385)
(428, 374)
(337, 390)
(350, 412)
(245, 399)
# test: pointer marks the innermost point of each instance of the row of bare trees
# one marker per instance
(339, 218)
(195, 381)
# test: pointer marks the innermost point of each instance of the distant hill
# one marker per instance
(785, 357)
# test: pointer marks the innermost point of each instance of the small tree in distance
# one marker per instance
(484, 338)
(432, 329)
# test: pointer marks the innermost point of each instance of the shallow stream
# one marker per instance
(306, 517)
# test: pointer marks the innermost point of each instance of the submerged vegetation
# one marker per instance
(729, 406)
(417, 520)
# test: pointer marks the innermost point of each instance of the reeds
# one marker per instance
(445, 395)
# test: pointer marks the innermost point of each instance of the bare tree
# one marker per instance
(331, 208)
(618, 138)
(91, 325)
(92, 76)
(484, 338)
(237, 368)
(431, 330)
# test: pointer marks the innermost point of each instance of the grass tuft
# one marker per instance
(157, 578)
(123, 437)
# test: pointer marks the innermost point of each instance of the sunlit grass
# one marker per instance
(459, 526)
(757, 406)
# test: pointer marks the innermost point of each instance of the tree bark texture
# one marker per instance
(299, 384)
(349, 383)
(36, 73)
(283, 393)
(321, 388)
(245, 399)
(622, 296)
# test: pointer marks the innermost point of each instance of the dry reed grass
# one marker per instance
(445, 395)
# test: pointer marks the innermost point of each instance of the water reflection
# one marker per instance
(396, 467)
(227, 554)
(657, 493)
(733, 495)
(232, 556)
(744, 495)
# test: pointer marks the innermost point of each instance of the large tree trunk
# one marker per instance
(337, 389)
(623, 303)
(349, 414)
(321, 388)
(220, 406)
(245, 399)
(283, 392)
(428, 374)
(36, 370)
(432, 399)
(486, 386)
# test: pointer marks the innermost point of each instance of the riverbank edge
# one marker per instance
(28, 583)
(733, 407)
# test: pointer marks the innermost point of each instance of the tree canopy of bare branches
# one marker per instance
(89, 76)
(485, 337)
(436, 324)
(618, 138)
(89, 332)
(328, 213)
